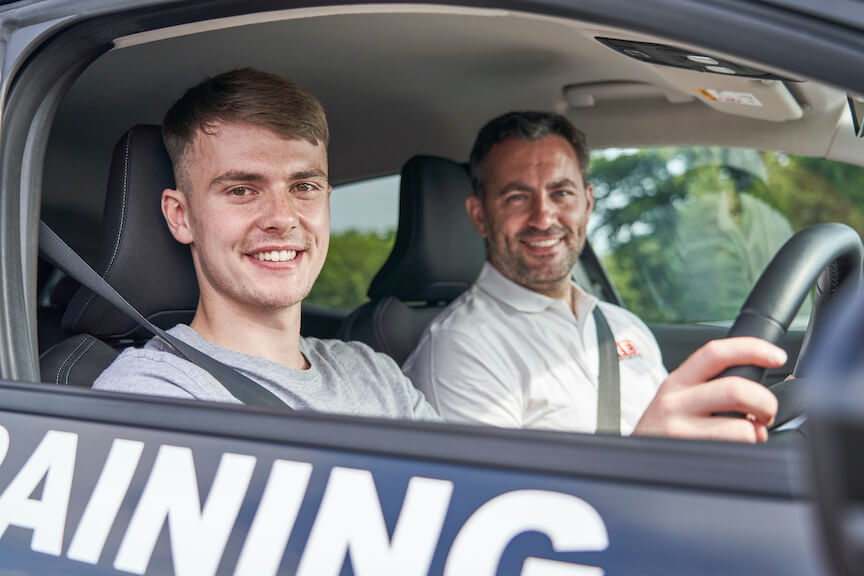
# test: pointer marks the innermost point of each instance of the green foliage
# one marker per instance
(352, 261)
(685, 233)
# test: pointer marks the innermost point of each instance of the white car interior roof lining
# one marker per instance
(406, 79)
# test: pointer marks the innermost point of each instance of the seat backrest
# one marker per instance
(437, 256)
(137, 255)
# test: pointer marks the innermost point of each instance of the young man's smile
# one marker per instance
(277, 258)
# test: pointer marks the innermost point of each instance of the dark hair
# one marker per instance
(244, 96)
(525, 126)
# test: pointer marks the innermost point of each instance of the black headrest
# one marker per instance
(138, 255)
(438, 253)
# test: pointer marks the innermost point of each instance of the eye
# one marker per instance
(516, 197)
(308, 190)
(239, 191)
(563, 193)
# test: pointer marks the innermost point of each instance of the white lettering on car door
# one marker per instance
(104, 503)
(570, 523)
(198, 534)
(274, 520)
(545, 567)
(350, 521)
(54, 461)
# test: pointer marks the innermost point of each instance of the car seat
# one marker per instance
(137, 256)
(437, 256)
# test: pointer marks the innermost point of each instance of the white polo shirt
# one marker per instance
(504, 355)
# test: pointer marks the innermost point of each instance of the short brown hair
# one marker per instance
(244, 96)
(528, 126)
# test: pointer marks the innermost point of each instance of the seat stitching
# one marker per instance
(69, 357)
(80, 356)
(122, 220)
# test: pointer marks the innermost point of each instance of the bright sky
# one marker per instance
(369, 205)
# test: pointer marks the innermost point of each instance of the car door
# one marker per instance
(102, 483)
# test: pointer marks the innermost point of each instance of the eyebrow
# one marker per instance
(515, 186)
(240, 176)
(235, 176)
(522, 187)
(309, 174)
(563, 183)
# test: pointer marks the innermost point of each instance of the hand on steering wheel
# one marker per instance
(827, 255)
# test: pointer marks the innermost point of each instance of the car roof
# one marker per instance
(399, 80)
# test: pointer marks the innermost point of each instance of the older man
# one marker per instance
(520, 348)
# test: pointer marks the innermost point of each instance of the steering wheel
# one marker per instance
(827, 255)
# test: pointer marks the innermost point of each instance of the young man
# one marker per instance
(249, 151)
(520, 347)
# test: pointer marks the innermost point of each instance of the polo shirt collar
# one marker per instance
(522, 299)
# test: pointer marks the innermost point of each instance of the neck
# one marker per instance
(561, 291)
(270, 334)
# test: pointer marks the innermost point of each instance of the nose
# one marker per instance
(543, 212)
(278, 212)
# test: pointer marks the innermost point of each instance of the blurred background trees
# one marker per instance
(684, 233)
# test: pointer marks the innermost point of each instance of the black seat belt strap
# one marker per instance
(608, 378)
(242, 388)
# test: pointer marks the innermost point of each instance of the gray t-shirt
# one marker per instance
(344, 377)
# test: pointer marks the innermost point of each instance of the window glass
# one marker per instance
(363, 218)
(684, 233)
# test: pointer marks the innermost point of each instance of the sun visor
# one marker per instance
(723, 84)
(763, 99)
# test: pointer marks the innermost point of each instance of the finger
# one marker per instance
(723, 429)
(761, 432)
(730, 394)
(718, 355)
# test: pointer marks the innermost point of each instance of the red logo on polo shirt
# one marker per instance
(626, 349)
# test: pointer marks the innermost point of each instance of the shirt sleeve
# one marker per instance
(404, 390)
(137, 373)
(464, 381)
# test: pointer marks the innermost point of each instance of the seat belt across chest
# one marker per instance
(608, 378)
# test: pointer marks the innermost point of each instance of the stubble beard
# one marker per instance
(545, 278)
(246, 295)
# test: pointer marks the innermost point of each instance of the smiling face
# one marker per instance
(534, 212)
(256, 216)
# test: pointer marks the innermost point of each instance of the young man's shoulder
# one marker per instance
(150, 370)
(345, 352)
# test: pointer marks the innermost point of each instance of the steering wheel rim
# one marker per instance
(829, 256)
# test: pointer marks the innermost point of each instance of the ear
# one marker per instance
(589, 196)
(474, 207)
(175, 209)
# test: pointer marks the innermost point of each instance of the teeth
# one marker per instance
(543, 243)
(276, 255)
